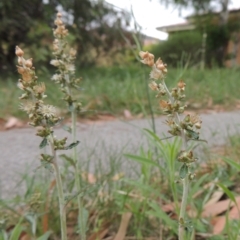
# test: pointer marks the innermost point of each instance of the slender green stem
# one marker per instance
(77, 179)
(185, 180)
(183, 207)
(184, 195)
(152, 114)
(150, 107)
(77, 172)
(62, 210)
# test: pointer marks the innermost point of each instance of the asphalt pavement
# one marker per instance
(101, 143)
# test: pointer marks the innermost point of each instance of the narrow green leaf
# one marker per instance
(68, 159)
(32, 218)
(159, 213)
(183, 171)
(153, 135)
(194, 135)
(3, 235)
(232, 163)
(141, 186)
(67, 128)
(45, 236)
(228, 192)
(16, 232)
(72, 145)
(85, 215)
(43, 143)
(142, 160)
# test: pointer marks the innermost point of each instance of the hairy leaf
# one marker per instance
(183, 171)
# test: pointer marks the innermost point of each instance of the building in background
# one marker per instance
(232, 50)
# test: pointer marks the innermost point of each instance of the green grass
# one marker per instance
(111, 90)
(143, 196)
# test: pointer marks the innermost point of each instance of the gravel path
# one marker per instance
(101, 142)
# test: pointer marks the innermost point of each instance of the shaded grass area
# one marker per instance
(112, 90)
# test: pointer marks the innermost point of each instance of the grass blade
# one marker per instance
(45, 236)
(228, 192)
(17, 230)
(142, 160)
(232, 163)
(157, 212)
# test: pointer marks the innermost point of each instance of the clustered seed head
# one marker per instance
(190, 124)
(159, 69)
(60, 144)
(176, 95)
(46, 158)
(147, 58)
(186, 157)
(60, 31)
(41, 115)
(174, 105)
(64, 62)
(35, 202)
(19, 51)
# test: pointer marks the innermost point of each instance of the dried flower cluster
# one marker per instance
(35, 202)
(173, 105)
(64, 61)
(40, 114)
(186, 128)
(159, 69)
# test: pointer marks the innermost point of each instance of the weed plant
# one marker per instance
(186, 128)
(110, 204)
(68, 83)
(44, 117)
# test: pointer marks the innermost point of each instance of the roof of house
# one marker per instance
(177, 27)
(188, 25)
(233, 11)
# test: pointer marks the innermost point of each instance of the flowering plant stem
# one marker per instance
(64, 61)
(186, 183)
(186, 128)
(151, 109)
(186, 179)
(45, 117)
(183, 207)
(77, 179)
(57, 173)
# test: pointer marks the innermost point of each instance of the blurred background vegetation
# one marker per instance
(95, 30)
(98, 31)
(107, 52)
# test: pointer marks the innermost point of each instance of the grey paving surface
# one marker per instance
(100, 142)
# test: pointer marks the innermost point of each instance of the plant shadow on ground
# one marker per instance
(140, 205)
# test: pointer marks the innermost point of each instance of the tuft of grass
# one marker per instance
(112, 90)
